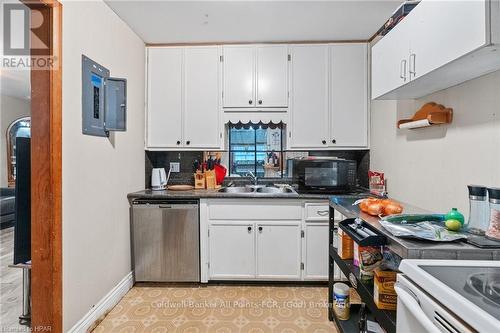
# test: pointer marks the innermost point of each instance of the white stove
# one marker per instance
(448, 296)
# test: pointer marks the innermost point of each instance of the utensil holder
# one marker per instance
(210, 180)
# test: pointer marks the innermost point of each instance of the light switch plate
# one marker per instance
(175, 166)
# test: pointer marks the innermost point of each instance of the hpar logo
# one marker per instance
(26, 37)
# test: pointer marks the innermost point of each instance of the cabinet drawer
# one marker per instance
(255, 210)
(316, 211)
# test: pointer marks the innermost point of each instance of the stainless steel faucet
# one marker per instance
(253, 176)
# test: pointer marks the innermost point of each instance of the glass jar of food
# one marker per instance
(494, 227)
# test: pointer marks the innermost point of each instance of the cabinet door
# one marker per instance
(232, 253)
(438, 39)
(390, 61)
(239, 76)
(201, 98)
(278, 250)
(164, 112)
(348, 95)
(315, 256)
(309, 97)
(272, 76)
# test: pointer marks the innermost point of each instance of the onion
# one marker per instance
(375, 208)
(392, 207)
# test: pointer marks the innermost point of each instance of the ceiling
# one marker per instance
(164, 21)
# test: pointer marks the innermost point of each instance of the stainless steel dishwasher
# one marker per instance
(165, 240)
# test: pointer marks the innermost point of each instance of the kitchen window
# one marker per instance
(257, 149)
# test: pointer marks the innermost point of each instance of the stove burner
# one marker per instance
(486, 285)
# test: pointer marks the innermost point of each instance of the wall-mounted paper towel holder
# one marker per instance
(430, 114)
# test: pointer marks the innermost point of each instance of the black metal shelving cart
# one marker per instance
(385, 318)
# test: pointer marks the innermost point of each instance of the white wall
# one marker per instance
(11, 108)
(431, 167)
(98, 172)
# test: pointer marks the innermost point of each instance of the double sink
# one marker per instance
(258, 190)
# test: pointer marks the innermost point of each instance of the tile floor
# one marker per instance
(220, 309)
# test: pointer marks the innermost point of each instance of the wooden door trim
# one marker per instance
(46, 177)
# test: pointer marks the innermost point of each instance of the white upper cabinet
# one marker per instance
(390, 61)
(255, 76)
(164, 105)
(201, 98)
(272, 76)
(434, 51)
(328, 96)
(239, 76)
(349, 95)
(432, 48)
(322, 87)
(308, 112)
(183, 106)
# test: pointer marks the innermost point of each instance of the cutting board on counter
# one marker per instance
(180, 187)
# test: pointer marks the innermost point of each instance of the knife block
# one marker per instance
(199, 180)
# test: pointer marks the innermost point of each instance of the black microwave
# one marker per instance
(323, 175)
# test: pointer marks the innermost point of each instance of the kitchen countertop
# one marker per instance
(414, 249)
(207, 194)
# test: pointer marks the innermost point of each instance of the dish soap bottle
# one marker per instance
(454, 214)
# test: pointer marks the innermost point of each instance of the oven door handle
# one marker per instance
(411, 302)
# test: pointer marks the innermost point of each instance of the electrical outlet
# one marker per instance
(175, 166)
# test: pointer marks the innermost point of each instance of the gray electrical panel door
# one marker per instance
(104, 100)
(93, 78)
(116, 104)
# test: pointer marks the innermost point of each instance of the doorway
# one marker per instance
(44, 51)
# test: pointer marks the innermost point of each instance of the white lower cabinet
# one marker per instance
(232, 249)
(264, 239)
(278, 250)
(316, 251)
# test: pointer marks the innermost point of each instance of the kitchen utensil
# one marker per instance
(158, 179)
(196, 165)
(220, 173)
(180, 187)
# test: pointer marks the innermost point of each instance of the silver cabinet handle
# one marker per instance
(322, 212)
(402, 70)
(413, 71)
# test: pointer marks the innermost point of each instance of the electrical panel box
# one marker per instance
(104, 100)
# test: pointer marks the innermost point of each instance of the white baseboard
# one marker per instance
(104, 305)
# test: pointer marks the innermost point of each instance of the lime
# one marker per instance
(453, 225)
